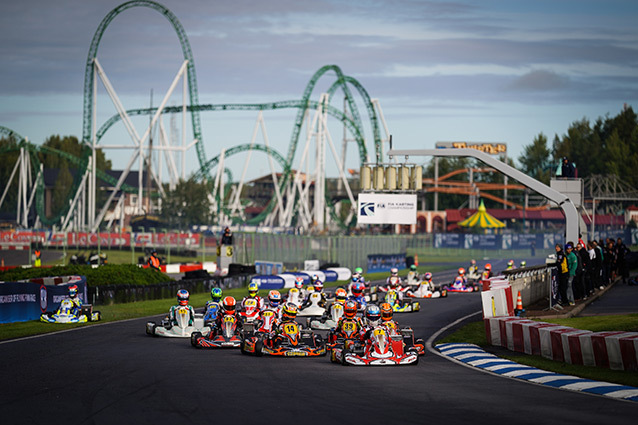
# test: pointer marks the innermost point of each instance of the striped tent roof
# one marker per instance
(481, 218)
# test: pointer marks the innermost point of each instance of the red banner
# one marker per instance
(106, 239)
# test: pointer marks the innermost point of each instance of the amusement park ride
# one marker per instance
(294, 202)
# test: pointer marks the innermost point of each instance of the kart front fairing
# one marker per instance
(382, 349)
(227, 336)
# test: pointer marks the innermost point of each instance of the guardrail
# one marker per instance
(534, 282)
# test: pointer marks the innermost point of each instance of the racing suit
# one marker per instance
(459, 282)
(349, 329)
(360, 300)
(77, 305)
(171, 314)
(260, 301)
(220, 320)
(211, 310)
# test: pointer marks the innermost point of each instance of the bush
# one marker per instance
(109, 274)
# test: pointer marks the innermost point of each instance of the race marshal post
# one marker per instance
(225, 251)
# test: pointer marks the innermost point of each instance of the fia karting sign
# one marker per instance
(381, 208)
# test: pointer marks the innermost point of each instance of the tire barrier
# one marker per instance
(615, 350)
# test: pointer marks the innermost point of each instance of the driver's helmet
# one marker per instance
(355, 278)
(73, 291)
(523, 263)
(350, 309)
(299, 282)
(274, 297)
(488, 266)
(253, 288)
(229, 304)
(386, 312)
(289, 312)
(413, 268)
(318, 285)
(394, 271)
(341, 295)
(510, 263)
(473, 262)
(216, 294)
(461, 271)
(373, 314)
(357, 289)
(358, 270)
(182, 297)
(314, 278)
(428, 276)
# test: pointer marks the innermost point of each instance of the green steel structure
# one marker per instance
(351, 120)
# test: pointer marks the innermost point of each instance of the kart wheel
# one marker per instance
(259, 345)
(150, 328)
(343, 356)
(194, 337)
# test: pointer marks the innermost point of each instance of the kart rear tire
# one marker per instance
(194, 337)
(150, 328)
(259, 345)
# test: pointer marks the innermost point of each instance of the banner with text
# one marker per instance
(381, 208)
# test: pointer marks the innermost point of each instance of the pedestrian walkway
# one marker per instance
(473, 355)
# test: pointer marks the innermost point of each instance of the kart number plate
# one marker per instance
(349, 327)
(229, 319)
(267, 313)
(379, 332)
(295, 353)
(291, 329)
(250, 303)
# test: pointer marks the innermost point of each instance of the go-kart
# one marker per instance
(67, 313)
(211, 310)
(292, 342)
(327, 321)
(250, 311)
(295, 297)
(381, 349)
(425, 290)
(401, 306)
(227, 336)
(460, 286)
(181, 328)
(313, 306)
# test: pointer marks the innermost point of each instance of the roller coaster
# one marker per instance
(291, 205)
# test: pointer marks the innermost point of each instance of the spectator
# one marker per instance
(621, 264)
(567, 169)
(563, 273)
(572, 267)
(579, 280)
(227, 237)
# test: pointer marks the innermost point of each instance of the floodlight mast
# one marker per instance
(571, 213)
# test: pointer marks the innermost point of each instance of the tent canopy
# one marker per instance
(482, 219)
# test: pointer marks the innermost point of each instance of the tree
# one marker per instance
(187, 205)
(535, 159)
(69, 145)
(9, 147)
(62, 188)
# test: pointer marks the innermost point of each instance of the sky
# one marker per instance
(476, 71)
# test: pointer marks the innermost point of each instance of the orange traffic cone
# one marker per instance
(519, 305)
(416, 260)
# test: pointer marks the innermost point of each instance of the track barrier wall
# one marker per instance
(27, 300)
(614, 350)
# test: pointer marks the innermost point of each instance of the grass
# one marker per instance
(474, 333)
(116, 256)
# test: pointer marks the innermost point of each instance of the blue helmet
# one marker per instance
(373, 312)
(182, 297)
(216, 294)
(73, 291)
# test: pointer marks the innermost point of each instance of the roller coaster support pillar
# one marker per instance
(569, 209)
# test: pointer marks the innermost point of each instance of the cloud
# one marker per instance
(540, 81)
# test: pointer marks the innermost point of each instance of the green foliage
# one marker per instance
(62, 187)
(70, 145)
(188, 204)
(110, 274)
(535, 160)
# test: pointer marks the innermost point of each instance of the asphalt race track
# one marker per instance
(116, 374)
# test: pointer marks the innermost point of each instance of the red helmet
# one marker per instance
(350, 309)
(228, 304)
(386, 312)
(182, 297)
(461, 271)
(357, 289)
(299, 282)
(73, 291)
(488, 266)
